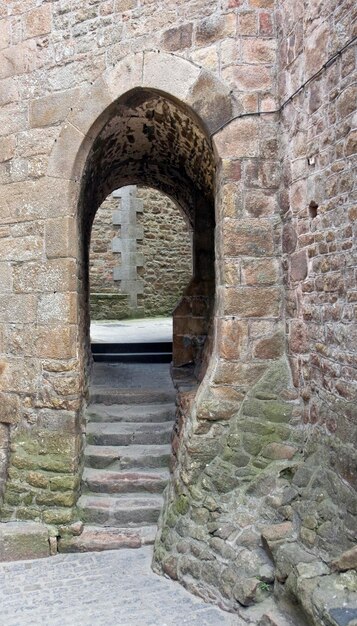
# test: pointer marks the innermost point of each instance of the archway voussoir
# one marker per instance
(170, 74)
(126, 75)
(211, 100)
(70, 141)
(90, 107)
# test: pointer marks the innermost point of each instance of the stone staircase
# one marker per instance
(126, 470)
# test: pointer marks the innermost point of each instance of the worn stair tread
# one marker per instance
(129, 395)
(127, 427)
(120, 501)
(124, 433)
(98, 538)
(125, 481)
(157, 412)
(119, 510)
(124, 457)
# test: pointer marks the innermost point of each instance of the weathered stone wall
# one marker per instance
(166, 248)
(319, 201)
(85, 111)
(164, 259)
(105, 301)
(320, 219)
(4, 448)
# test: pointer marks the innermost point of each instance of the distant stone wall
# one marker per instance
(166, 248)
(161, 245)
(105, 300)
(102, 260)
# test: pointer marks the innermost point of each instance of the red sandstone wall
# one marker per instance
(319, 195)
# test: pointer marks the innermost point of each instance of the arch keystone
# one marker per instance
(211, 100)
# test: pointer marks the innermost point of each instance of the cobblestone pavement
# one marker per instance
(99, 589)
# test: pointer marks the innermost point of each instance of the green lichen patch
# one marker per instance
(182, 504)
(58, 516)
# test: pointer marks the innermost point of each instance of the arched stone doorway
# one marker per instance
(151, 139)
(202, 103)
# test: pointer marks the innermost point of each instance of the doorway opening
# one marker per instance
(140, 264)
(149, 140)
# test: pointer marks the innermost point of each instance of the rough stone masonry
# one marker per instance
(192, 98)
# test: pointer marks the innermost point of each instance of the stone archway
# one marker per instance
(150, 139)
(151, 118)
(140, 83)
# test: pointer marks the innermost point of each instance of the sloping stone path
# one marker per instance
(115, 588)
(112, 588)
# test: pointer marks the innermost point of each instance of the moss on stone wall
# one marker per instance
(223, 467)
(109, 306)
(43, 482)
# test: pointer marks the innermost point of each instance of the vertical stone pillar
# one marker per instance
(192, 316)
(126, 245)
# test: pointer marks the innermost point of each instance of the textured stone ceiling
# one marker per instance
(151, 141)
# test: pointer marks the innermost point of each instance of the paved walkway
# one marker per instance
(99, 589)
(132, 331)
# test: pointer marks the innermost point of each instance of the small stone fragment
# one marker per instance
(347, 560)
(310, 570)
(53, 545)
(277, 531)
(278, 451)
(272, 618)
(74, 529)
(245, 590)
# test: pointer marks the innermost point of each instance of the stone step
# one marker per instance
(134, 480)
(127, 457)
(160, 412)
(121, 510)
(124, 433)
(97, 538)
(129, 395)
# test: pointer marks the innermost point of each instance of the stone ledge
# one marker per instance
(21, 541)
(97, 539)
